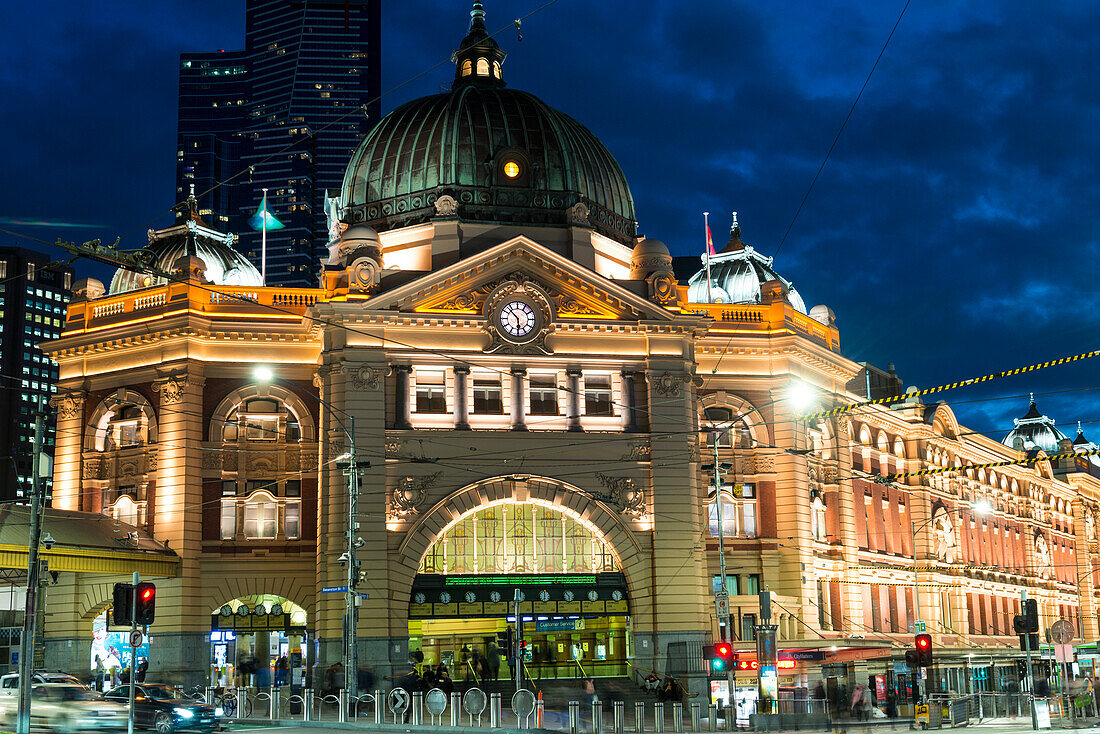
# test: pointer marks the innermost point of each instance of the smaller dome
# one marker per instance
(360, 232)
(359, 240)
(223, 264)
(1036, 430)
(736, 276)
(1082, 445)
(649, 255)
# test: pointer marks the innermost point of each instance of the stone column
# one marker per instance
(402, 415)
(1082, 572)
(519, 421)
(461, 397)
(630, 403)
(851, 596)
(182, 650)
(68, 447)
(573, 411)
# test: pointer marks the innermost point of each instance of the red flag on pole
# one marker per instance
(710, 242)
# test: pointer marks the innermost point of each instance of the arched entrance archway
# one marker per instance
(556, 547)
(260, 640)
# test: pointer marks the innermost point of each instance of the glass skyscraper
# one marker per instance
(309, 79)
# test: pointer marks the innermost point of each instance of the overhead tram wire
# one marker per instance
(361, 109)
(840, 132)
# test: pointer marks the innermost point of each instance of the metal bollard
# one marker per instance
(379, 707)
(597, 716)
(714, 717)
(417, 708)
(696, 720)
(659, 717)
(342, 703)
(617, 716)
(241, 698)
(574, 717)
(539, 708)
(639, 717)
(208, 695)
(731, 718)
(456, 709)
(494, 710)
(307, 704)
(677, 717)
(273, 701)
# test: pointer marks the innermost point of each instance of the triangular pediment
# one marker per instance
(575, 291)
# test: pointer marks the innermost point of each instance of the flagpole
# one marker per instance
(706, 225)
(263, 250)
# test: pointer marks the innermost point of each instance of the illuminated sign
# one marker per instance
(754, 665)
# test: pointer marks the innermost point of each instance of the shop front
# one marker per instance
(259, 641)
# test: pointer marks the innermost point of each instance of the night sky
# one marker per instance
(953, 230)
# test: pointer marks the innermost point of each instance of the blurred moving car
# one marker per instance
(66, 708)
(9, 684)
(165, 708)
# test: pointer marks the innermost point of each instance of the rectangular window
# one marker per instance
(752, 584)
(229, 520)
(429, 392)
(294, 488)
(748, 627)
(260, 519)
(544, 395)
(733, 584)
(738, 511)
(128, 434)
(293, 522)
(487, 396)
(229, 488)
(597, 395)
(261, 427)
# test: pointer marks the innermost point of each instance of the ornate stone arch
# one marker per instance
(298, 588)
(943, 422)
(758, 429)
(96, 432)
(287, 397)
(633, 558)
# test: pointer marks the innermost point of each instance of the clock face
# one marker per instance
(471, 597)
(617, 595)
(568, 596)
(517, 319)
(445, 598)
(494, 596)
(419, 598)
(593, 596)
(544, 595)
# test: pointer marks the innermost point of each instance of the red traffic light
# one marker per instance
(145, 609)
(924, 642)
(924, 650)
(147, 594)
(723, 650)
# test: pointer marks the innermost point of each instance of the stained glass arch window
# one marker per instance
(530, 537)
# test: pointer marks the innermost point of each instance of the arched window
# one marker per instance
(483, 67)
(261, 517)
(520, 538)
(262, 419)
(128, 511)
(496, 69)
(738, 511)
(467, 67)
(817, 518)
(122, 423)
(733, 435)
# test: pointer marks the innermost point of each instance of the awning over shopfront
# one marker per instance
(84, 542)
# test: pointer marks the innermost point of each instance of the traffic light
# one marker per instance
(1031, 615)
(924, 651)
(912, 659)
(122, 605)
(145, 604)
(719, 656)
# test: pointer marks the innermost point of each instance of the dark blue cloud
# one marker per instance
(952, 230)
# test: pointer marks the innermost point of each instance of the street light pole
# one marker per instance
(30, 613)
(724, 610)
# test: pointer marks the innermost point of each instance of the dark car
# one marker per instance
(165, 708)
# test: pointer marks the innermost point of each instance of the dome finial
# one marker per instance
(478, 58)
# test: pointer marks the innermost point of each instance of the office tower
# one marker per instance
(213, 110)
(309, 69)
(32, 310)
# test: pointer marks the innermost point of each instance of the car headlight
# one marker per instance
(219, 711)
(184, 713)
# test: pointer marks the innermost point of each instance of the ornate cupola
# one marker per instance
(478, 59)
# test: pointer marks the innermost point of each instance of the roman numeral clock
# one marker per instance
(518, 317)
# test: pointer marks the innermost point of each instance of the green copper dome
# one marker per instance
(503, 155)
